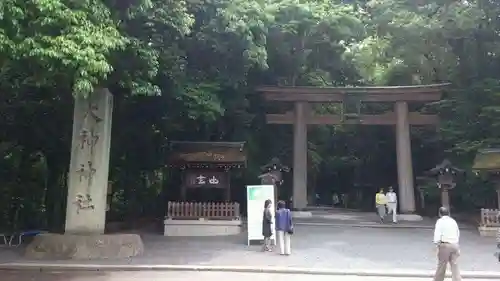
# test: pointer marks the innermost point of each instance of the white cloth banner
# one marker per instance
(256, 196)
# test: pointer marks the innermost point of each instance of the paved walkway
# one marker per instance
(358, 219)
(354, 218)
(313, 247)
(181, 276)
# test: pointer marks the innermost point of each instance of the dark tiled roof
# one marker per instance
(201, 153)
(487, 160)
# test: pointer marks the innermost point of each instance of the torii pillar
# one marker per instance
(404, 159)
(300, 156)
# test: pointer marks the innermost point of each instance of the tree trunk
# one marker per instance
(56, 202)
(56, 193)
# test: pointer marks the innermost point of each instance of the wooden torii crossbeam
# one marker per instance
(392, 94)
(414, 118)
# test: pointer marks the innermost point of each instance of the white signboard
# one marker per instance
(256, 196)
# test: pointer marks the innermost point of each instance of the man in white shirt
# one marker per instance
(392, 204)
(446, 238)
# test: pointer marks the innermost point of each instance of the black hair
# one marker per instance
(281, 204)
(267, 203)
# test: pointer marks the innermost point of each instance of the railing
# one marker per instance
(198, 210)
(490, 217)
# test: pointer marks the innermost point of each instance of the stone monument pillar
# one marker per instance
(89, 166)
(405, 168)
(300, 156)
(84, 237)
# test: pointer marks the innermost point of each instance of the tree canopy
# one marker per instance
(188, 69)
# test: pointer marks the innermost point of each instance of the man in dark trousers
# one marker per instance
(446, 238)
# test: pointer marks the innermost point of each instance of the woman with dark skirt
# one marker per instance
(267, 225)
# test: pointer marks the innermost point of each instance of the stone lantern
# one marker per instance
(445, 174)
(487, 162)
(272, 174)
(421, 191)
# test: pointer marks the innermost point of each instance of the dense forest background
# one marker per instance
(187, 70)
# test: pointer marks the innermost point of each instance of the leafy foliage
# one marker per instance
(187, 69)
(55, 39)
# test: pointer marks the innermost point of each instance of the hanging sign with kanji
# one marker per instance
(201, 178)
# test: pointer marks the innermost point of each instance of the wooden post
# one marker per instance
(276, 197)
(496, 179)
(277, 177)
(228, 188)
(404, 161)
(183, 187)
(445, 197)
(300, 156)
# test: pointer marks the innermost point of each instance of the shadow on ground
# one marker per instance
(53, 276)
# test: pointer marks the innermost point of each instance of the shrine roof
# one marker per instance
(444, 166)
(429, 92)
(487, 160)
(204, 154)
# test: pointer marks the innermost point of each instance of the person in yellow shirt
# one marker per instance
(380, 204)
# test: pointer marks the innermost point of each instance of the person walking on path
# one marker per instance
(446, 238)
(284, 228)
(335, 199)
(392, 204)
(267, 222)
(380, 204)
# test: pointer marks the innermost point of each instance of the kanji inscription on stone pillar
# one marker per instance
(88, 178)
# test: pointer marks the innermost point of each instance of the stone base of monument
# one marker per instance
(202, 227)
(488, 231)
(409, 217)
(80, 246)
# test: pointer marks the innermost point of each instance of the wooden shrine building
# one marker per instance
(205, 207)
(207, 165)
(352, 99)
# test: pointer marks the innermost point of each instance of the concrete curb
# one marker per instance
(241, 269)
(361, 225)
(366, 225)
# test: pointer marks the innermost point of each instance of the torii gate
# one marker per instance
(301, 116)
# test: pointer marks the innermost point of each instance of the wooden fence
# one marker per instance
(198, 210)
(490, 217)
